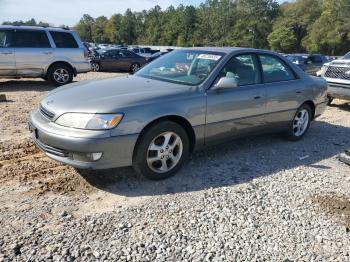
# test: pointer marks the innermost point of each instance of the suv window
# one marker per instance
(244, 68)
(5, 38)
(274, 69)
(63, 40)
(30, 39)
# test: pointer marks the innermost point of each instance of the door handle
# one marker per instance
(47, 53)
(298, 92)
(6, 53)
(257, 97)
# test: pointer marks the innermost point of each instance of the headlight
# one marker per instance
(89, 121)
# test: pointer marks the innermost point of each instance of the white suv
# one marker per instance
(54, 54)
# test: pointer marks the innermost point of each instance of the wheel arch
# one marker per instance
(311, 104)
(61, 62)
(183, 122)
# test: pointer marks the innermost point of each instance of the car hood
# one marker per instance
(339, 62)
(111, 95)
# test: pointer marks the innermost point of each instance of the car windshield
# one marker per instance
(347, 56)
(296, 59)
(189, 67)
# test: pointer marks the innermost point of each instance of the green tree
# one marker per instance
(84, 28)
(293, 25)
(98, 30)
(113, 27)
(330, 33)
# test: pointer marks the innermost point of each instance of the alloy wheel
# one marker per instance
(164, 152)
(301, 122)
(61, 75)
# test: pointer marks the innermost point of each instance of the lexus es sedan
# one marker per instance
(117, 60)
(185, 100)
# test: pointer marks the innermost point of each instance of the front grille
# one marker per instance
(338, 72)
(46, 113)
(50, 149)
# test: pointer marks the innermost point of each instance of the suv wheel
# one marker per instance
(300, 124)
(134, 68)
(162, 151)
(60, 74)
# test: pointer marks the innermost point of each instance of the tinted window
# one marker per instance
(316, 59)
(63, 40)
(244, 68)
(274, 69)
(30, 39)
(126, 53)
(5, 38)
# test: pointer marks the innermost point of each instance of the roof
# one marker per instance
(33, 27)
(227, 50)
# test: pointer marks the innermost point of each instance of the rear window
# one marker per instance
(64, 40)
(30, 39)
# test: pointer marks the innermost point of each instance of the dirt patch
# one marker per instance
(337, 207)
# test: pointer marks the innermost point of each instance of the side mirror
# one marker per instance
(226, 83)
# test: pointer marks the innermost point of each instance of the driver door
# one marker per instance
(237, 110)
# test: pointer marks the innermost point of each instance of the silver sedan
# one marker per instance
(184, 100)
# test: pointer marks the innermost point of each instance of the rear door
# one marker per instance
(285, 91)
(33, 52)
(7, 54)
(126, 59)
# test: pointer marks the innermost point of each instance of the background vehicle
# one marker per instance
(337, 74)
(51, 53)
(311, 64)
(117, 60)
(184, 100)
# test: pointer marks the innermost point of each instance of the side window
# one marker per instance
(5, 38)
(316, 59)
(244, 68)
(30, 39)
(275, 70)
(63, 40)
(126, 53)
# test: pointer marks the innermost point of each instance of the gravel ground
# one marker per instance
(253, 199)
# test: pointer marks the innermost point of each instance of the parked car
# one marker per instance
(311, 64)
(337, 74)
(156, 55)
(155, 118)
(140, 51)
(51, 53)
(117, 60)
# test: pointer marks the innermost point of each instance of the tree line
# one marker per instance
(314, 26)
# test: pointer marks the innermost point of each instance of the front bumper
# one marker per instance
(116, 151)
(338, 88)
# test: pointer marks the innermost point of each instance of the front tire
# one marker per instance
(161, 151)
(300, 124)
(60, 74)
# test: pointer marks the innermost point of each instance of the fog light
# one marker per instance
(87, 157)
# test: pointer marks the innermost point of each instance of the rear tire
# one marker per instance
(60, 74)
(161, 151)
(96, 67)
(300, 124)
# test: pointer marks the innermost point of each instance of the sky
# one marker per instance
(69, 12)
